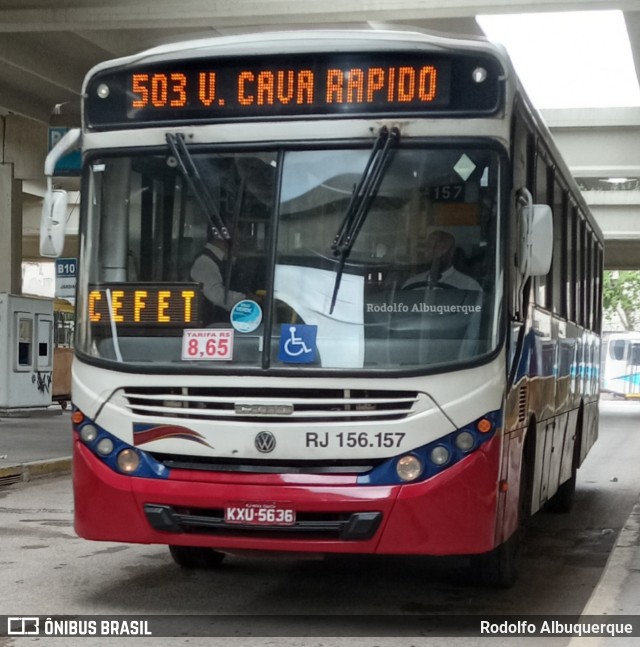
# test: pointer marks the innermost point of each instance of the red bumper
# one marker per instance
(452, 513)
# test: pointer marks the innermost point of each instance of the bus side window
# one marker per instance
(559, 263)
(523, 153)
(616, 349)
(541, 283)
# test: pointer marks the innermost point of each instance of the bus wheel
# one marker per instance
(193, 557)
(499, 568)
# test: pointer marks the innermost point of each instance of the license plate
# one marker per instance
(259, 514)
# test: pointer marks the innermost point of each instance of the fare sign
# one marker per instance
(208, 344)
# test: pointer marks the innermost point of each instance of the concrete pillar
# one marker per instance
(23, 147)
(10, 231)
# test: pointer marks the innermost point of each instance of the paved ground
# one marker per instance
(35, 444)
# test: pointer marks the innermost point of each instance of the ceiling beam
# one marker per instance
(39, 63)
(115, 43)
(592, 117)
(22, 104)
(149, 14)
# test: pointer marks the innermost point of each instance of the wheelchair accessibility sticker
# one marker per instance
(297, 343)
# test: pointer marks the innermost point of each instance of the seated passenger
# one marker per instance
(439, 249)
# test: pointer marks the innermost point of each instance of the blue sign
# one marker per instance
(297, 343)
(66, 267)
(70, 163)
(246, 316)
(66, 274)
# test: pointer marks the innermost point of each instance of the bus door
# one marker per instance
(633, 371)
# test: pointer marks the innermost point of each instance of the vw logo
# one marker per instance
(265, 442)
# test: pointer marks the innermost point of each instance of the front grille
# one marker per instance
(264, 466)
(276, 405)
(354, 526)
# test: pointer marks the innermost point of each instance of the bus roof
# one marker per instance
(301, 41)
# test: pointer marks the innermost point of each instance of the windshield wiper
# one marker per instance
(198, 186)
(361, 199)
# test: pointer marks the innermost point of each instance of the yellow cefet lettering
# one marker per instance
(139, 306)
(163, 305)
(139, 297)
(116, 305)
(94, 296)
(188, 296)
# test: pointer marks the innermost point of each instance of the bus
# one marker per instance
(621, 364)
(403, 357)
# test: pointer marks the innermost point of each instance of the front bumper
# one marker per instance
(453, 512)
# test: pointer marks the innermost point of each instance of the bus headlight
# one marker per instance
(440, 455)
(88, 433)
(128, 460)
(465, 441)
(104, 446)
(409, 467)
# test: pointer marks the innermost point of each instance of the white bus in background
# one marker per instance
(621, 364)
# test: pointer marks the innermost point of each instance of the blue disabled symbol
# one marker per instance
(297, 343)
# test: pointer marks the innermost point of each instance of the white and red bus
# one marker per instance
(403, 356)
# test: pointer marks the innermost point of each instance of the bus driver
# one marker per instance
(439, 249)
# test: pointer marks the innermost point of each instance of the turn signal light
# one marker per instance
(77, 417)
(484, 426)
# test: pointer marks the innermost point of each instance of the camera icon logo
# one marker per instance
(23, 626)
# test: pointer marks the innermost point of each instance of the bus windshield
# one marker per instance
(420, 288)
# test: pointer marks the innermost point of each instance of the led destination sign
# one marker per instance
(142, 305)
(336, 85)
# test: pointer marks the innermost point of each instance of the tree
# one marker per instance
(621, 297)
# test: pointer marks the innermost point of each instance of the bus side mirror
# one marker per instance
(54, 205)
(536, 238)
(52, 222)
